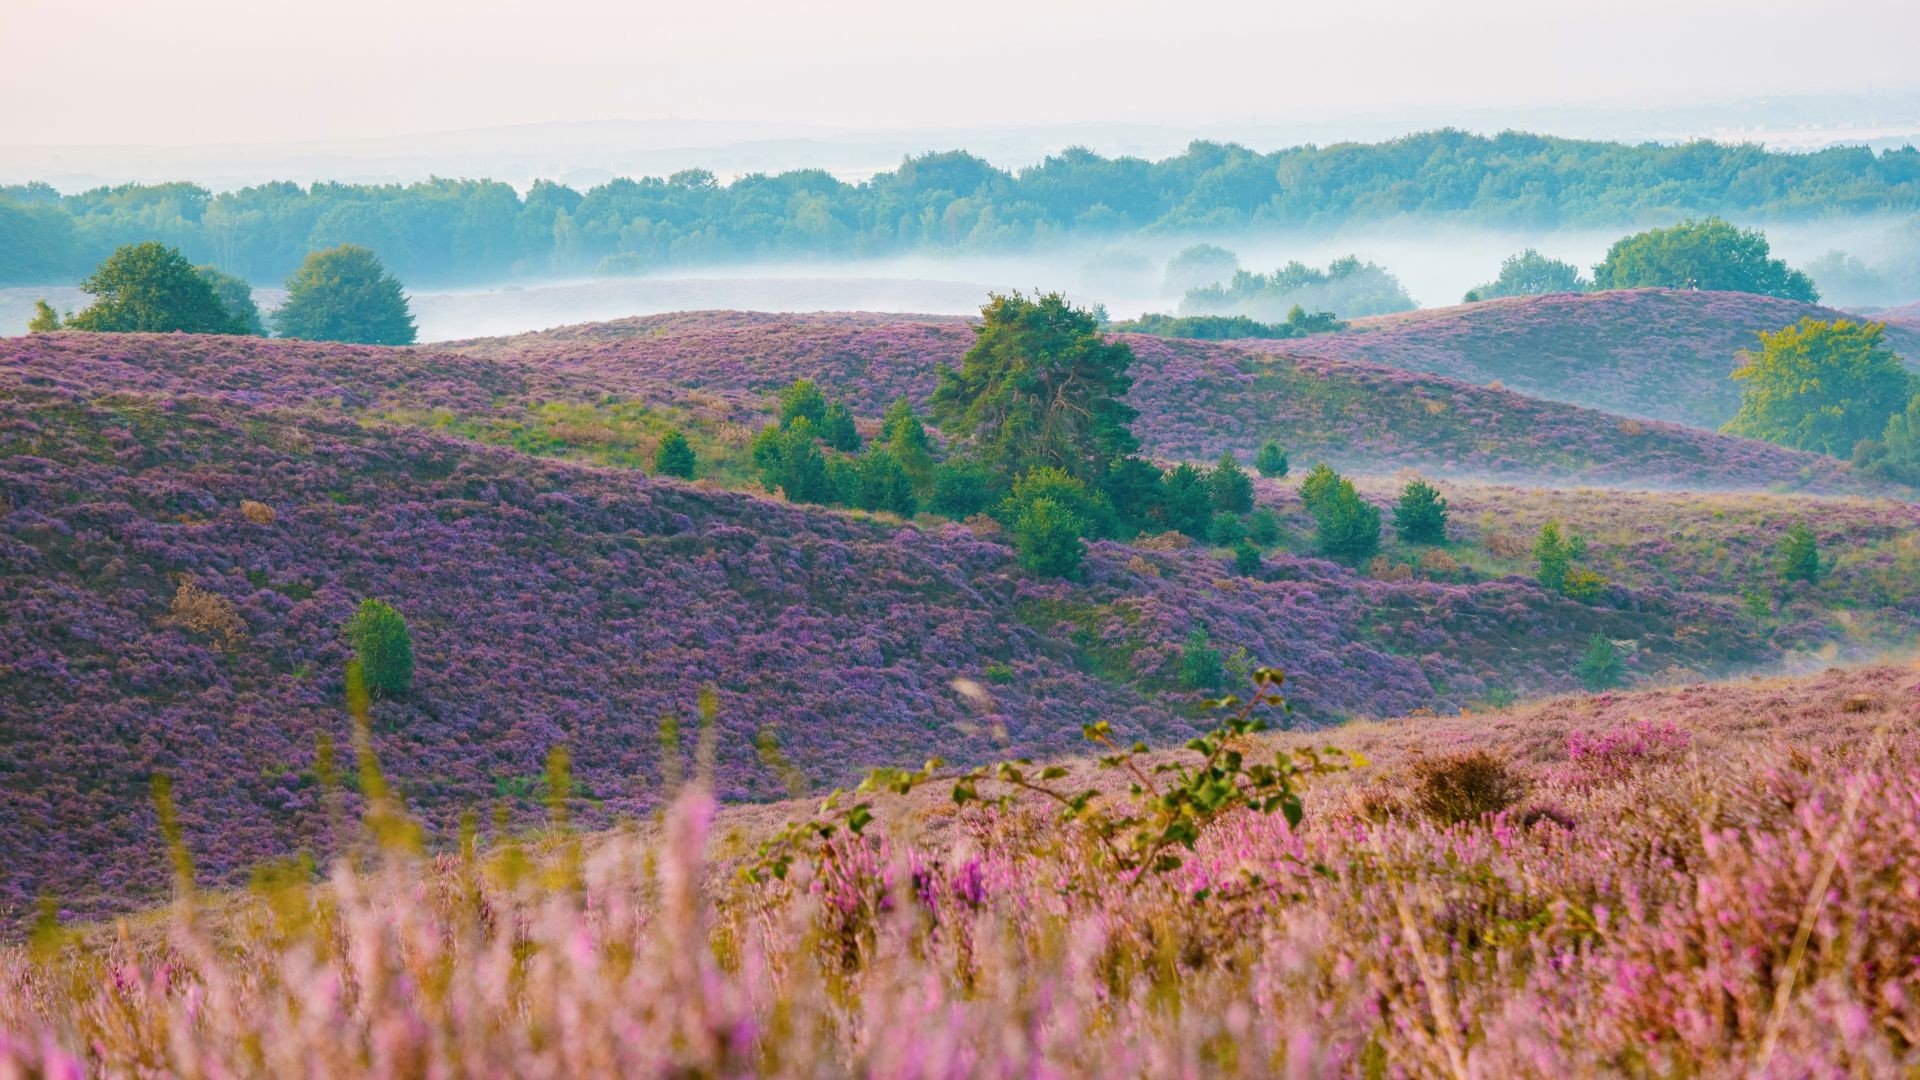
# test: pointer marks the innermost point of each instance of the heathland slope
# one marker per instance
(1655, 354)
(186, 522)
(1195, 399)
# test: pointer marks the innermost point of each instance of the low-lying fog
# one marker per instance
(1436, 263)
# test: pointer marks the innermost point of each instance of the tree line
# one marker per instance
(451, 231)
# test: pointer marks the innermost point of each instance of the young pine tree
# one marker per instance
(381, 643)
(1231, 487)
(1271, 461)
(674, 457)
(1800, 555)
(1420, 517)
(1600, 667)
(1047, 537)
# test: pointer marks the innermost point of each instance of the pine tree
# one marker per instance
(674, 456)
(381, 643)
(1271, 461)
(1420, 517)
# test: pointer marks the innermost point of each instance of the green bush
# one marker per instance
(1348, 526)
(802, 399)
(838, 430)
(963, 487)
(1186, 503)
(1226, 530)
(381, 643)
(1047, 482)
(1231, 487)
(1420, 517)
(1263, 527)
(883, 484)
(1800, 554)
(790, 462)
(1271, 461)
(1047, 537)
(1246, 559)
(674, 457)
(1600, 667)
(1200, 664)
(1320, 483)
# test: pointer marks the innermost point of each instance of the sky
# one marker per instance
(192, 72)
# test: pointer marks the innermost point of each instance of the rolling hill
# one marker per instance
(1196, 399)
(1654, 354)
(186, 522)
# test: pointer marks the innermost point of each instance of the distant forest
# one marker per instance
(454, 231)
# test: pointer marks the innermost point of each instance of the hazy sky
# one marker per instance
(92, 72)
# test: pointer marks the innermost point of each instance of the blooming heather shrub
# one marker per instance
(1464, 787)
(204, 612)
(383, 647)
(1615, 753)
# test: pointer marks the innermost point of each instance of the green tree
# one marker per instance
(1709, 254)
(237, 297)
(838, 430)
(1420, 517)
(1246, 559)
(1321, 483)
(1531, 274)
(1263, 527)
(1800, 554)
(964, 486)
(1186, 503)
(1047, 537)
(151, 289)
(674, 456)
(904, 434)
(1197, 267)
(1555, 555)
(791, 462)
(1088, 505)
(1821, 386)
(1226, 530)
(1231, 487)
(1348, 527)
(1898, 451)
(1040, 386)
(381, 643)
(1201, 667)
(883, 483)
(344, 294)
(1600, 667)
(45, 320)
(802, 399)
(1132, 488)
(1271, 461)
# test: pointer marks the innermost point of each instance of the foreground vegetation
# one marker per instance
(1710, 881)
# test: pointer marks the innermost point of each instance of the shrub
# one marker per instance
(963, 487)
(257, 512)
(1226, 530)
(1263, 527)
(1457, 788)
(1231, 487)
(1246, 559)
(791, 462)
(1800, 554)
(1200, 665)
(381, 643)
(45, 320)
(1047, 537)
(205, 612)
(1614, 754)
(1420, 517)
(1348, 527)
(883, 484)
(1271, 460)
(1555, 555)
(1089, 506)
(1186, 505)
(674, 456)
(1600, 668)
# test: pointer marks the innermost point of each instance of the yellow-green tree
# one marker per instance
(1821, 386)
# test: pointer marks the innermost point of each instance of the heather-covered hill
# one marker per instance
(1195, 398)
(1654, 354)
(157, 622)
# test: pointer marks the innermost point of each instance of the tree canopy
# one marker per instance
(150, 288)
(1040, 387)
(1531, 274)
(1821, 386)
(344, 294)
(1709, 254)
